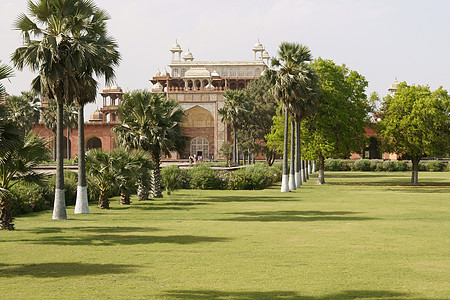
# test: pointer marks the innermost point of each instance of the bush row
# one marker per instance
(254, 177)
(27, 198)
(380, 166)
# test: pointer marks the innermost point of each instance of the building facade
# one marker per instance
(199, 87)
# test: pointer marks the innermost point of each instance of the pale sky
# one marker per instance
(381, 39)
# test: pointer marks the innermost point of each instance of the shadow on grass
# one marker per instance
(93, 229)
(387, 183)
(280, 295)
(166, 205)
(297, 216)
(56, 270)
(115, 239)
(257, 198)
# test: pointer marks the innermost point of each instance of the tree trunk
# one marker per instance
(298, 152)
(314, 166)
(59, 206)
(306, 169)
(68, 143)
(54, 147)
(124, 196)
(304, 177)
(285, 178)
(321, 176)
(415, 170)
(309, 167)
(235, 149)
(81, 204)
(156, 177)
(6, 218)
(292, 185)
(103, 201)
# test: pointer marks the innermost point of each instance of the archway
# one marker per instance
(94, 143)
(198, 117)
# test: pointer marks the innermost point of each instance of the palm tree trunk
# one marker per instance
(235, 149)
(292, 186)
(68, 143)
(314, 169)
(142, 189)
(81, 204)
(415, 170)
(285, 178)
(321, 176)
(6, 218)
(59, 206)
(304, 177)
(298, 177)
(103, 201)
(156, 177)
(307, 169)
(54, 147)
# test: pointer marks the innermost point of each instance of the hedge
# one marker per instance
(382, 166)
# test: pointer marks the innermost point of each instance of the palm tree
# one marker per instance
(17, 165)
(64, 49)
(151, 122)
(287, 85)
(101, 63)
(5, 72)
(232, 113)
(23, 110)
(100, 171)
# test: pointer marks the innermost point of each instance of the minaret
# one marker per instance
(258, 48)
(176, 49)
(393, 87)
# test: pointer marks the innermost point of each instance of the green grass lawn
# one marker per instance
(363, 235)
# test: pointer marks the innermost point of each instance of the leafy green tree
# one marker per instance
(227, 151)
(17, 165)
(338, 126)
(60, 51)
(233, 113)
(416, 123)
(261, 107)
(5, 72)
(288, 85)
(151, 122)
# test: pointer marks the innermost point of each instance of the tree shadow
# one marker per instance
(239, 198)
(167, 205)
(281, 295)
(56, 270)
(93, 229)
(296, 216)
(116, 239)
(378, 183)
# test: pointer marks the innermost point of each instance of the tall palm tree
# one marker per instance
(307, 96)
(23, 111)
(60, 52)
(151, 122)
(287, 83)
(17, 165)
(100, 63)
(232, 114)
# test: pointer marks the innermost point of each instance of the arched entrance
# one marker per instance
(94, 143)
(200, 147)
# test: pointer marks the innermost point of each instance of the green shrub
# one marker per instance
(361, 165)
(333, 164)
(400, 165)
(388, 166)
(173, 178)
(27, 198)
(435, 166)
(205, 178)
(422, 166)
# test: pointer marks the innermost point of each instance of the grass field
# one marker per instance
(363, 235)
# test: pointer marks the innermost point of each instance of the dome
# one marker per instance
(188, 56)
(210, 86)
(158, 86)
(164, 74)
(215, 74)
(96, 116)
(394, 85)
(201, 72)
(157, 74)
(258, 47)
(265, 55)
